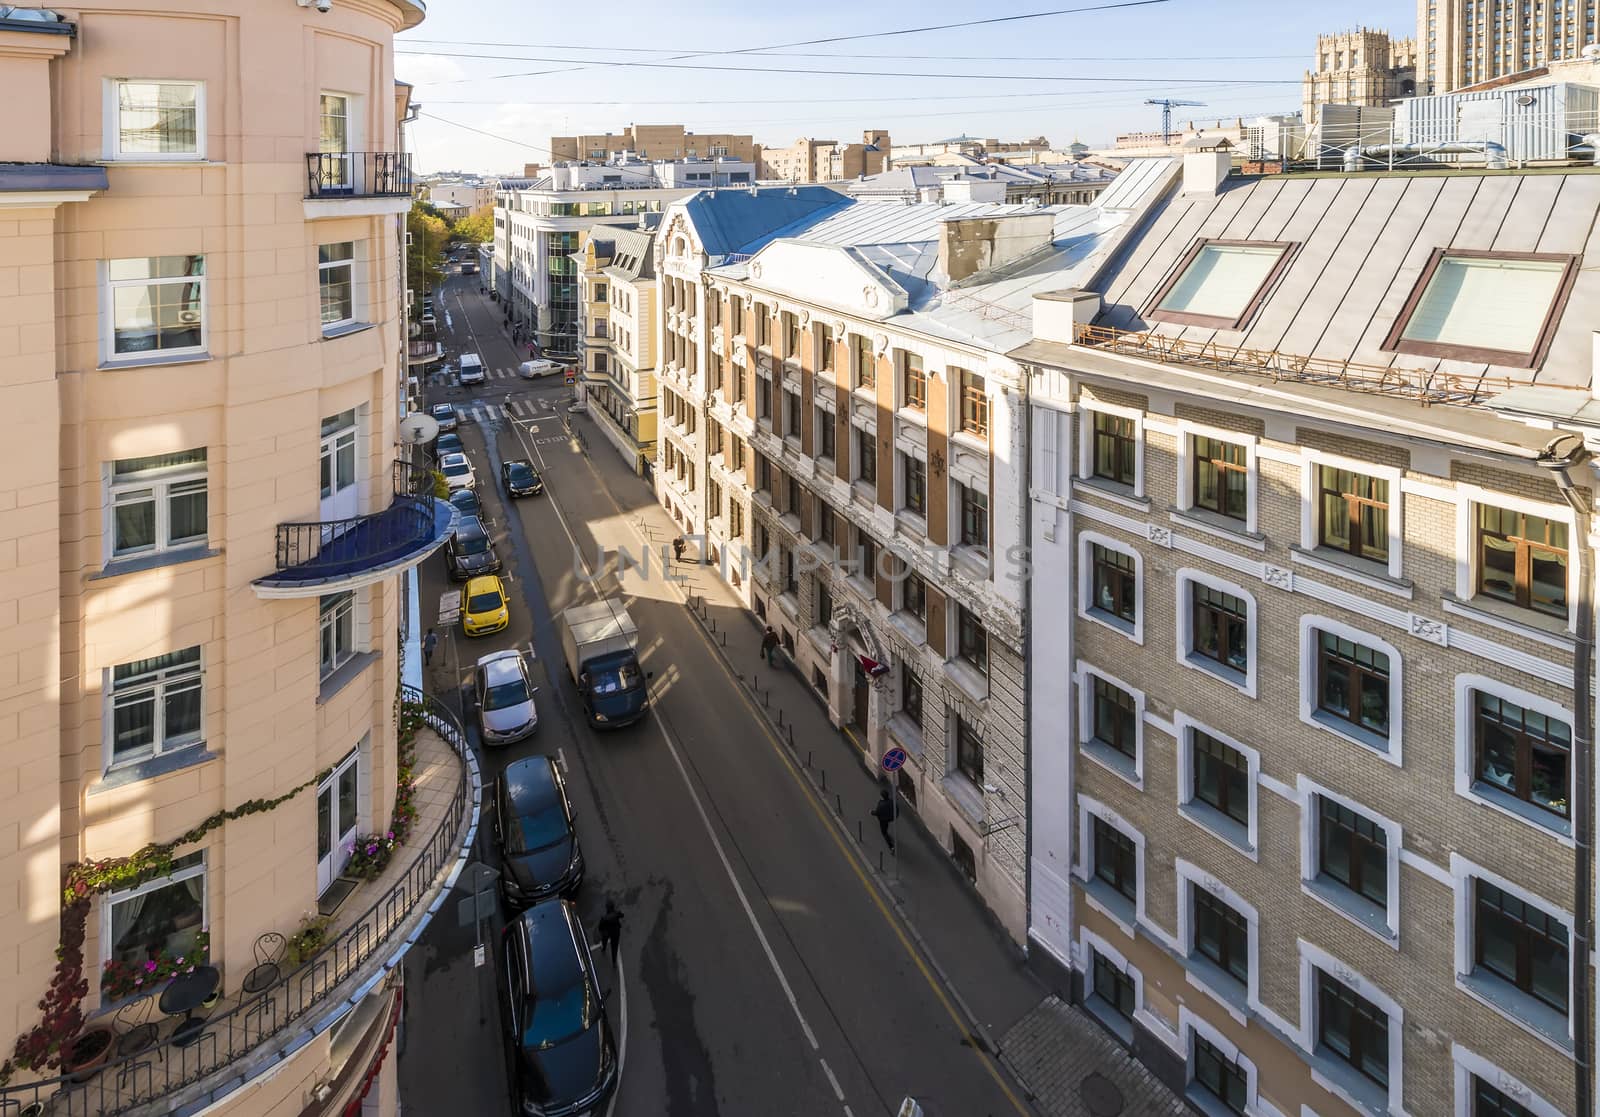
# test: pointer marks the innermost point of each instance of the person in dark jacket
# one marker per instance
(885, 812)
(611, 929)
(769, 644)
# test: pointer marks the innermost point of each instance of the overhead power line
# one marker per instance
(834, 54)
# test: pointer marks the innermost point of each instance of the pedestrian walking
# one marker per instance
(677, 549)
(884, 812)
(769, 644)
(429, 642)
(611, 929)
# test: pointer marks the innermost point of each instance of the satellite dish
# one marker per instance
(418, 428)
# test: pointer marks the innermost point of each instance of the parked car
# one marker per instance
(533, 831)
(563, 1056)
(504, 690)
(532, 370)
(483, 607)
(445, 415)
(520, 478)
(471, 369)
(467, 503)
(469, 552)
(449, 443)
(458, 471)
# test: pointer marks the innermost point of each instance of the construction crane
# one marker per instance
(1166, 114)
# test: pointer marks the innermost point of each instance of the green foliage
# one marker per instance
(308, 939)
(476, 227)
(429, 234)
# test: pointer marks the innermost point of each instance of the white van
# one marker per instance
(532, 370)
(471, 368)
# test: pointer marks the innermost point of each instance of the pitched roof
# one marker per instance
(743, 220)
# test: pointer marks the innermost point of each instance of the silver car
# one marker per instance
(504, 692)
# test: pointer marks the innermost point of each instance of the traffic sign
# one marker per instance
(894, 760)
(572, 376)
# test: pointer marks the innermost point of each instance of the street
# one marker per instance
(761, 971)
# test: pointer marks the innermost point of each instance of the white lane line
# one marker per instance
(622, 1048)
(832, 1081)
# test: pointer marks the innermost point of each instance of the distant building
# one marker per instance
(1361, 67)
(1464, 42)
(466, 196)
(620, 298)
(1274, 136)
(1048, 184)
(812, 160)
(653, 141)
(971, 146)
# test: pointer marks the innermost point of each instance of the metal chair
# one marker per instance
(269, 951)
(135, 1030)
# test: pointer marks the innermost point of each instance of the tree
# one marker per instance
(477, 227)
(428, 236)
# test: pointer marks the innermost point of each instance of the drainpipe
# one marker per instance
(1559, 462)
(1025, 388)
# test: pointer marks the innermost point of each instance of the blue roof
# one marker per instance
(744, 220)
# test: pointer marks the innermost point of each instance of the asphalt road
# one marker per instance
(762, 973)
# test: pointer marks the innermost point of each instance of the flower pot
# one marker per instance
(32, 1109)
(87, 1053)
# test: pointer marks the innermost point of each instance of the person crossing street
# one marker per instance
(610, 928)
(885, 813)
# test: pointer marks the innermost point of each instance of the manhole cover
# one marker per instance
(1101, 1095)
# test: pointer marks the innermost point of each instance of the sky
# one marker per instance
(1077, 75)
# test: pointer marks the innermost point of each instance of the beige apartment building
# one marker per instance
(1312, 581)
(1464, 42)
(662, 142)
(809, 160)
(206, 541)
(1361, 67)
(620, 296)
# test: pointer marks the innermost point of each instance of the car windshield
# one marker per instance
(520, 474)
(615, 679)
(530, 832)
(506, 695)
(444, 411)
(455, 467)
(472, 542)
(466, 500)
(450, 444)
(484, 602)
(560, 1014)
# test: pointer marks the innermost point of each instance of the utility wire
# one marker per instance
(832, 54)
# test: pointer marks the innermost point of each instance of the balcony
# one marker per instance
(420, 352)
(325, 556)
(357, 183)
(245, 1036)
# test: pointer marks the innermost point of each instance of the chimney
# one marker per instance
(1204, 171)
(1058, 314)
(969, 245)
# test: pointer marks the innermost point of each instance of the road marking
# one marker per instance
(832, 1081)
(622, 1049)
(561, 759)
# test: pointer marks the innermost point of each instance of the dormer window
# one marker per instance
(1482, 306)
(1221, 284)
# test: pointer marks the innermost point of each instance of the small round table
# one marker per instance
(184, 994)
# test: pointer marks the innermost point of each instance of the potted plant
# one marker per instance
(85, 1054)
(306, 941)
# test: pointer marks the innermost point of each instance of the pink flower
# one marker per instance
(189, 970)
(390, 835)
(150, 966)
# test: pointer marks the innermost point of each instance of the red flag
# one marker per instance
(871, 666)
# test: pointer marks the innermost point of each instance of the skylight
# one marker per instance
(1221, 283)
(1480, 306)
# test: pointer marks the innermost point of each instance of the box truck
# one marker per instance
(601, 645)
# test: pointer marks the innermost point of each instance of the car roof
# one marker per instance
(470, 525)
(553, 955)
(501, 667)
(530, 781)
(523, 462)
(454, 457)
(441, 408)
(463, 497)
(483, 583)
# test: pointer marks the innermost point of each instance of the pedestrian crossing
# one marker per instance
(507, 372)
(482, 411)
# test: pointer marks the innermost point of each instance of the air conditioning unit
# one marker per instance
(188, 317)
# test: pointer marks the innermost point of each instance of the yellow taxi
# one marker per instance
(484, 608)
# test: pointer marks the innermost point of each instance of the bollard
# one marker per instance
(808, 758)
(791, 734)
(859, 839)
(766, 699)
(880, 861)
(724, 639)
(780, 717)
(824, 772)
(838, 802)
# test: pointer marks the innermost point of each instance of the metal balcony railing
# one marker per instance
(358, 174)
(149, 1079)
(329, 548)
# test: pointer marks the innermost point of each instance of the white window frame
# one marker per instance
(1191, 1024)
(1083, 863)
(1086, 607)
(1187, 433)
(1314, 958)
(358, 624)
(158, 688)
(357, 285)
(1310, 625)
(160, 483)
(1048, 424)
(1201, 814)
(1090, 944)
(178, 876)
(1189, 877)
(1468, 497)
(1463, 872)
(1310, 509)
(1189, 577)
(112, 116)
(1308, 791)
(1087, 409)
(108, 314)
(1466, 748)
(1104, 755)
(1469, 1064)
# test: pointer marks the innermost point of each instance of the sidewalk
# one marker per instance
(1052, 1048)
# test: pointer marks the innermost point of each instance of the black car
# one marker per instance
(448, 443)
(563, 1055)
(469, 552)
(466, 501)
(533, 829)
(520, 478)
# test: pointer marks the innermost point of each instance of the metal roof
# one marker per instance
(743, 220)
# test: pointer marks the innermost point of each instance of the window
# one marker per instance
(155, 706)
(735, 520)
(159, 917)
(1476, 306)
(763, 397)
(791, 336)
(1116, 446)
(763, 327)
(969, 751)
(1521, 945)
(1113, 985)
(1352, 1028)
(866, 457)
(1220, 777)
(866, 557)
(824, 604)
(763, 474)
(1487, 1101)
(916, 485)
(1353, 683)
(1221, 627)
(974, 405)
(1221, 477)
(1522, 559)
(827, 436)
(1219, 1076)
(972, 641)
(713, 500)
(911, 695)
(336, 623)
(1114, 583)
(825, 524)
(599, 292)
(913, 382)
(1116, 860)
(157, 305)
(1522, 752)
(157, 503)
(735, 452)
(791, 582)
(1353, 513)
(736, 308)
(1353, 851)
(792, 496)
(1220, 284)
(158, 120)
(974, 517)
(336, 276)
(826, 345)
(914, 596)
(791, 414)
(1114, 717)
(866, 365)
